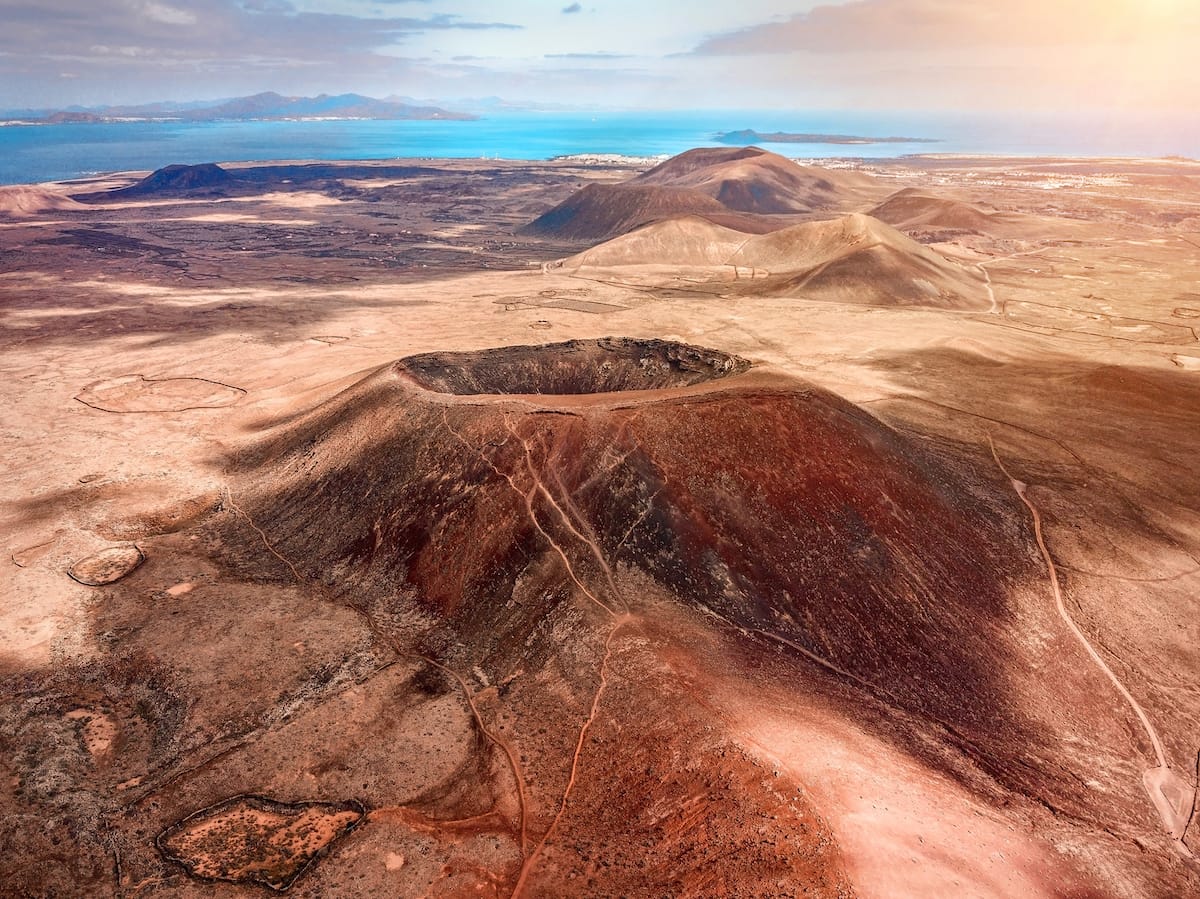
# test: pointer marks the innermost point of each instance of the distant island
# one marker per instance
(747, 137)
(267, 106)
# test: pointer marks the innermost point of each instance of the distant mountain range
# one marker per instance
(264, 106)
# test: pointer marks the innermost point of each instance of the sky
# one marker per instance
(907, 55)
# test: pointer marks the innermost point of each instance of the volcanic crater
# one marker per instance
(502, 489)
(544, 542)
(606, 365)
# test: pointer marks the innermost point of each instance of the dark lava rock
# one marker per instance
(206, 178)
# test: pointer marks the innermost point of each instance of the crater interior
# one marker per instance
(603, 365)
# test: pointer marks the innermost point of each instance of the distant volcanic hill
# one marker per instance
(346, 106)
(854, 259)
(912, 209)
(598, 211)
(733, 186)
(753, 180)
(748, 136)
(206, 179)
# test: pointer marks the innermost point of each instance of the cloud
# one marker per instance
(914, 25)
(137, 50)
(170, 15)
(869, 54)
(588, 56)
(216, 30)
(1058, 56)
(268, 6)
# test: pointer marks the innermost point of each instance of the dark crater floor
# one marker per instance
(604, 365)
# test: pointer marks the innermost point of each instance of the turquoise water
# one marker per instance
(50, 152)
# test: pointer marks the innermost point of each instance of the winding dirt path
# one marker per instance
(987, 284)
(529, 860)
(987, 276)
(1168, 792)
(532, 859)
(495, 738)
(618, 621)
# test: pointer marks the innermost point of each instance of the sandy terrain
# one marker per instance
(811, 591)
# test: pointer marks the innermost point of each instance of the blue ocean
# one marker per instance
(33, 153)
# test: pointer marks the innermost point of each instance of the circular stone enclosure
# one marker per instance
(604, 365)
(107, 566)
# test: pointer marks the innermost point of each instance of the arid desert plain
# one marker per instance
(721, 527)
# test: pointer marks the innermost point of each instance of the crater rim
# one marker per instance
(572, 368)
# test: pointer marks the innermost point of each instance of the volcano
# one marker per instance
(464, 480)
(600, 211)
(611, 617)
(753, 180)
(854, 259)
(747, 189)
(523, 502)
(913, 210)
(205, 179)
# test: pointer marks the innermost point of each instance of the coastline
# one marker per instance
(633, 162)
(35, 153)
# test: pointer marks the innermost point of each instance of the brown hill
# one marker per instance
(673, 460)
(752, 180)
(744, 188)
(911, 209)
(854, 259)
(23, 200)
(532, 621)
(522, 512)
(599, 211)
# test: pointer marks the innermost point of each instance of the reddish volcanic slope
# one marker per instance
(598, 211)
(505, 508)
(763, 501)
(611, 617)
